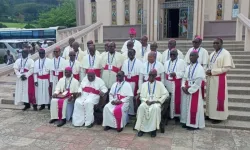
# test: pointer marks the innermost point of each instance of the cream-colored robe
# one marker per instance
(91, 62)
(60, 88)
(222, 64)
(86, 52)
(67, 50)
(149, 117)
(166, 55)
(158, 57)
(140, 53)
(84, 105)
(76, 68)
(137, 46)
(203, 56)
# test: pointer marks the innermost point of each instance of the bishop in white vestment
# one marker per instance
(69, 48)
(131, 67)
(145, 48)
(153, 48)
(217, 92)
(86, 52)
(25, 88)
(174, 72)
(115, 113)
(42, 80)
(65, 92)
(89, 95)
(75, 65)
(166, 53)
(192, 109)
(152, 95)
(137, 44)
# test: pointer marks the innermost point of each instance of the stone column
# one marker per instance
(133, 12)
(100, 34)
(156, 21)
(151, 23)
(247, 39)
(195, 17)
(148, 18)
(80, 13)
(239, 28)
(87, 7)
(120, 12)
(202, 18)
(244, 7)
(104, 15)
(228, 6)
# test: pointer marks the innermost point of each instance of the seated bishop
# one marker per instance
(152, 95)
(115, 113)
(66, 90)
(89, 92)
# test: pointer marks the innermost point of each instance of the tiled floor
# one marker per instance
(31, 131)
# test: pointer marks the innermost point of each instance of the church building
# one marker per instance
(163, 19)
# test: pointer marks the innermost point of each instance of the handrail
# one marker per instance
(62, 43)
(244, 20)
(73, 28)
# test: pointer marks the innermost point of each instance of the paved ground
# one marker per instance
(30, 131)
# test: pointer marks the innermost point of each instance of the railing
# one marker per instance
(61, 34)
(82, 36)
(243, 21)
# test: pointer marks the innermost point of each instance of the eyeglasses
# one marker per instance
(56, 51)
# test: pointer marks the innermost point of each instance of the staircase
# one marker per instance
(238, 82)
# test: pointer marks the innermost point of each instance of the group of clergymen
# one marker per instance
(79, 78)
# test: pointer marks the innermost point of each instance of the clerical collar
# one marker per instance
(132, 59)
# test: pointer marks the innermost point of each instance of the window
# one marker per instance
(219, 10)
(93, 11)
(127, 13)
(49, 33)
(140, 11)
(235, 10)
(113, 12)
(2, 45)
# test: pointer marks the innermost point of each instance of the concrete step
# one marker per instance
(239, 71)
(230, 124)
(238, 90)
(242, 66)
(241, 61)
(241, 56)
(236, 98)
(238, 77)
(238, 83)
(235, 106)
(239, 115)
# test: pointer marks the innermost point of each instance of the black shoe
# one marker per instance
(61, 123)
(48, 106)
(26, 106)
(140, 134)
(216, 121)
(153, 133)
(90, 126)
(120, 130)
(42, 107)
(52, 121)
(184, 126)
(207, 118)
(107, 128)
(192, 129)
(35, 107)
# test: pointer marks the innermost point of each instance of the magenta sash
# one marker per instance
(60, 105)
(134, 79)
(76, 76)
(114, 69)
(194, 105)
(91, 90)
(221, 92)
(118, 112)
(31, 88)
(59, 76)
(97, 72)
(177, 96)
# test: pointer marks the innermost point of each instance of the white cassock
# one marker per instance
(57, 71)
(137, 46)
(147, 67)
(203, 56)
(158, 57)
(42, 77)
(25, 90)
(58, 107)
(76, 69)
(86, 52)
(192, 110)
(111, 65)
(149, 117)
(166, 55)
(132, 72)
(217, 93)
(67, 50)
(84, 105)
(115, 116)
(139, 53)
(173, 84)
(92, 62)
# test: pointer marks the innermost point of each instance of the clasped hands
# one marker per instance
(116, 102)
(208, 73)
(185, 90)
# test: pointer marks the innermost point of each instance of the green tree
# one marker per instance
(65, 15)
(3, 6)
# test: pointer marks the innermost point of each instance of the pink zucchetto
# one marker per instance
(68, 69)
(132, 31)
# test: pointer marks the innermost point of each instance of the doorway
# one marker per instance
(173, 17)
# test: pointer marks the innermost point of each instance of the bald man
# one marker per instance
(153, 48)
(166, 53)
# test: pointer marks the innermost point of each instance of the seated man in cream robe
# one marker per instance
(66, 90)
(86, 52)
(153, 48)
(131, 67)
(166, 53)
(217, 92)
(150, 64)
(92, 61)
(43, 85)
(75, 65)
(174, 72)
(115, 113)
(145, 48)
(137, 44)
(111, 64)
(192, 109)
(152, 94)
(88, 96)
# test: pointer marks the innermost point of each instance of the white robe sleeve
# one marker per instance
(82, 73)
(18, 74)
(125, 99)
(35, 77)
(103, 88)
(140, 81)
(180, 71)
(164, 94)
(58, 87)
(195, 86)
(124, 48)
(162, 77)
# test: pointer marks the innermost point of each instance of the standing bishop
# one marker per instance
(192, 109)
(86, 52)
(65, 91)
(75, 65)
(42, 80)
(25, 87)
(115, 113)
(153, 48)
(152, 95)
(174, 72)
(145, 48)
(166, 53)
(131, 67)
(68, 48)
(137, 44)
(89, 92)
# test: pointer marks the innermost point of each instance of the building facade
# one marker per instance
(163, 19)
